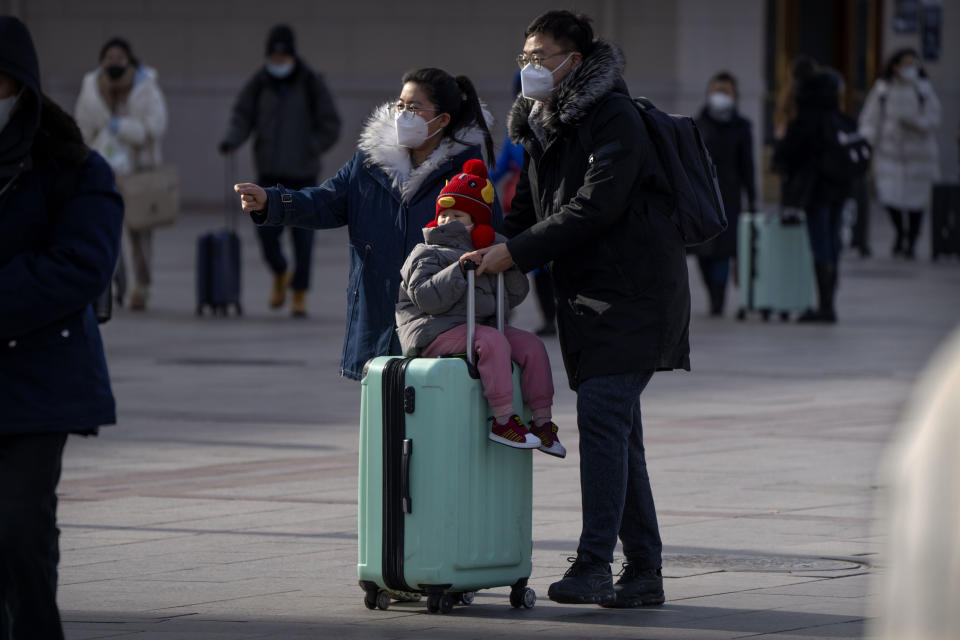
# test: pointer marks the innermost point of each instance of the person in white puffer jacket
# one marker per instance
(900, 119)
(123, 115)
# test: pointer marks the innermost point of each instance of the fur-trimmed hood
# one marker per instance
(378, 141)
(600, 73)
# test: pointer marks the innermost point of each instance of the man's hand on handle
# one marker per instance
(252, 197)
(493, 259)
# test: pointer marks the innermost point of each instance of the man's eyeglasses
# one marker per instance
(536, 60)
(400, 108)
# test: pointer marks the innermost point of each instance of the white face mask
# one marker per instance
(720, 105)
(6, 108)
(910, 73)
(720, 101)
(412, 129)
(537, 84)
(280, 71)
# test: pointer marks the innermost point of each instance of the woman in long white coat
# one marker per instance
(123, 115)
(900, 119)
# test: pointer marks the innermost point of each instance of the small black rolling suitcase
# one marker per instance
(218, 260)
(945, 220)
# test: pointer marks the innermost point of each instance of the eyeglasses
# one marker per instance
(536, 60)
(400, 108)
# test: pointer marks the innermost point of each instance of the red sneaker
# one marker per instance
(549, 443)
(514, 433)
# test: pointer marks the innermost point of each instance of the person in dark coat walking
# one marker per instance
(60, 224)
(386, 194)
(798, 156)
(291, 111)
(587, 204)
(729, 140)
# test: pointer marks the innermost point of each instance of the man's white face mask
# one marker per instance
(537, 84)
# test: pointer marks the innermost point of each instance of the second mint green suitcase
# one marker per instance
(774, 265)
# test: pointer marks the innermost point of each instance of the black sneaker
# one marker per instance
(637, 587)
(587, 581)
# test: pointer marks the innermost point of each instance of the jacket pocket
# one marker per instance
(361, 253)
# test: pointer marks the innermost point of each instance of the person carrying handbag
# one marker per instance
(122, 114)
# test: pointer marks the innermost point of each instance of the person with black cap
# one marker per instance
(60, 225)
(290, 111)
(123, 116)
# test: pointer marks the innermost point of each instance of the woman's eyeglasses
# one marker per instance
(401, 107)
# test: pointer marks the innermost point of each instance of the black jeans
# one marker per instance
(614, 485)
(824, 224)
(302, 239)
(29, 549)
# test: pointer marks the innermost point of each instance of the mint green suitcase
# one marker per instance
(774, 265)
(443, 510)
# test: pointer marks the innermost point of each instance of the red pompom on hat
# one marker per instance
(471, 192)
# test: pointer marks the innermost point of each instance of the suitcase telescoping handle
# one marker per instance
(471, 267)
(230, 208)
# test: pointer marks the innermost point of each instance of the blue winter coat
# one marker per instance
(53, 263)
(385, 202)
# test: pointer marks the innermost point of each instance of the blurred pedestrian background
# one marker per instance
(901, 118)
(729, 139)
(122, 114)
(815, 181)
(290, 112)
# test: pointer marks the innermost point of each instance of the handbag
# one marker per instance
(151, 197)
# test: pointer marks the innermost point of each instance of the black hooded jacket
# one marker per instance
(586, 203)
(798, 155)
(60, 221)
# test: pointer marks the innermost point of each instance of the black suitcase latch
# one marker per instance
(409, 399)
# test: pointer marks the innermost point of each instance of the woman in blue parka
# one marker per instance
(386, 194)
(60, 221)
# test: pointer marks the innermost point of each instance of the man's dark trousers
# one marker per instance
(29, 550)
(614, 485)
(302, 238)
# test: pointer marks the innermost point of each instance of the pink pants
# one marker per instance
(494, 352)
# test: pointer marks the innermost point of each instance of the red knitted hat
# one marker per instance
(471, 192)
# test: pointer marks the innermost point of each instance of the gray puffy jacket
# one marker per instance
(433, 290)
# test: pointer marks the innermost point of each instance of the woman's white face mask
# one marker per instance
(910, 73)
(6, 109)
(537, 84)
(412, 130)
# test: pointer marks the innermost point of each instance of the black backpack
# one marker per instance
(846, 153)
(696, 206)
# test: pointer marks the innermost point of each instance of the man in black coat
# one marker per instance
(60, 222)
(585, 203)
(290, 112)
(729, 140)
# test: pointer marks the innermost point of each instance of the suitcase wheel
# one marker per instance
(524, 597)
(785, 316)
(467, 597)
(383, 600)
(440, 602)
(370, 601)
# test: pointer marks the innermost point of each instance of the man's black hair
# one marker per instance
(725, 76)
(568, 29)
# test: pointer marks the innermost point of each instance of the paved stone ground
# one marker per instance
(224, 503)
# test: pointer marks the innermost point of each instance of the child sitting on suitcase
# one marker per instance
(432, 310)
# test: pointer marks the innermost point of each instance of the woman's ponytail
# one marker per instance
(472, 111)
